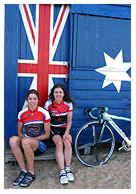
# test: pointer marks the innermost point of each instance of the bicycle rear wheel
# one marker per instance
(94, 144)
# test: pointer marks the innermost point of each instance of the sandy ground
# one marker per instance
(115, 174)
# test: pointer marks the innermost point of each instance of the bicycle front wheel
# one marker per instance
(94, 144)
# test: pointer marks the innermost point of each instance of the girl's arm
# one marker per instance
(47, 132)
(69, 121)
(20, 129)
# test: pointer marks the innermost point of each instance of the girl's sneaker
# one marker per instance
(20, 178)
(63, 179)
(29, 178)
(70, 176)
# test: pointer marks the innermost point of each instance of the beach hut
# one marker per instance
(70, 44)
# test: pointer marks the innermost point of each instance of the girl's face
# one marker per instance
(58, 94)
(32, 101)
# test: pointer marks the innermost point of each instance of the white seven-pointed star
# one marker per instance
(115, 71)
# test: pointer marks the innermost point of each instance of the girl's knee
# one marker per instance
(67, 143)
(59, 143)
(26, 142)
(14, 141)
(30, 143)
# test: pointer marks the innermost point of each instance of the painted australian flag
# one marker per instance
(43, 49)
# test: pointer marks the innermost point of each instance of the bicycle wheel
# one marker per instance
(94, 144)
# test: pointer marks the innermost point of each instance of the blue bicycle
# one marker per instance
(95, 142)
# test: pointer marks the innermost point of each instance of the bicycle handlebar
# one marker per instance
(100, 111)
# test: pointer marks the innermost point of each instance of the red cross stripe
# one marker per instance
(42, 66)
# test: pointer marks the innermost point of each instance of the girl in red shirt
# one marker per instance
(33, 130)
(60, 108)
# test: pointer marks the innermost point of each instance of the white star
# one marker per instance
(115, 71)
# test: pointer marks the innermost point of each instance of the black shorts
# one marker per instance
(58, 131)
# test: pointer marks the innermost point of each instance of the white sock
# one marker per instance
(62, 172)
(67, 168)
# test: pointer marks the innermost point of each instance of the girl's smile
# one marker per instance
(58, 95)
(32, 101)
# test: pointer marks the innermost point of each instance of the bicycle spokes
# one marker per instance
(93, 144)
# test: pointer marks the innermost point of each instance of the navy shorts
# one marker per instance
(41, 148)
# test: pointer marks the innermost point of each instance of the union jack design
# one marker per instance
(43, 36)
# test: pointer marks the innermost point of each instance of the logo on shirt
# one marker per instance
(54, 107)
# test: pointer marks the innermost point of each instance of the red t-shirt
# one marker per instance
(34, 121)
(58, 112)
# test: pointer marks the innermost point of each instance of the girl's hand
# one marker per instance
(68, 137)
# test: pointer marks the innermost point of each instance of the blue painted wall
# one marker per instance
(95, 30)
(10, 70)
(17, 47)
(90, 31)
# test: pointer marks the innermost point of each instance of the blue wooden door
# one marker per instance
(36, 55)
(100, 61)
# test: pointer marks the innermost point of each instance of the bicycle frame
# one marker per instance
(99, 146)
(109, 118)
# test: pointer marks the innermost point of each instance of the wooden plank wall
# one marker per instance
(93, 36)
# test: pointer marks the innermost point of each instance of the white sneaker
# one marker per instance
(70, 176)
(63, 179)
